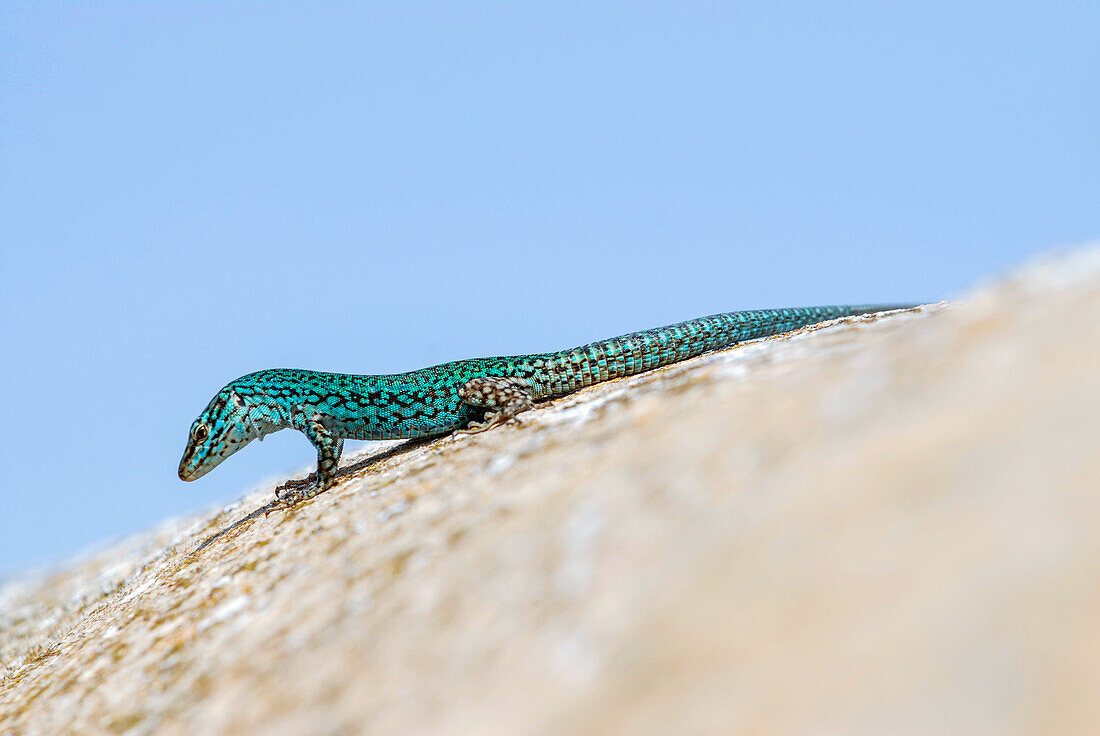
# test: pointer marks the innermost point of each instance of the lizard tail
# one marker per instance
(635, 352)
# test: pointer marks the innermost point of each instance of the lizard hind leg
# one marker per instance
(503, 397)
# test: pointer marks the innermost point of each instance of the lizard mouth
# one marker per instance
(193, 472)
(184, 471)
(195, 464)
(189, 470)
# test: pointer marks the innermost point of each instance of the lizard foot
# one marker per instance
(295, 491)
(491, 420)
(294, 484)
(291, 498)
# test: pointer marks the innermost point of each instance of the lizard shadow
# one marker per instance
(277, 503)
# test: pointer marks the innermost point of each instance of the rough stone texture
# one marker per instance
(881, 526)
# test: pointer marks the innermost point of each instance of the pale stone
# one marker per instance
(886, 525)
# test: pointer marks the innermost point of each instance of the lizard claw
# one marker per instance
(294, 484)
(293, 491)
(473, 428)
(491, 420)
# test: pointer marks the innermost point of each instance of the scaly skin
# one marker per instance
(329, 407)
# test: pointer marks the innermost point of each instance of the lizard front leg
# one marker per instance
(329, 449)
(504, 397)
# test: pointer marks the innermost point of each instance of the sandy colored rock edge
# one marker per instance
(883, 525)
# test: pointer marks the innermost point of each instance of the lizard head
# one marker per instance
(224, 427)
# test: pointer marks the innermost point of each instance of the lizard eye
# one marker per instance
(200, 433)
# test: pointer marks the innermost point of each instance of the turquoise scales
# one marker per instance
(469, 395)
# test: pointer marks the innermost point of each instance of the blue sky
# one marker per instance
(192, 191)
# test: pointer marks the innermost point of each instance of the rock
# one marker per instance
(881, 525)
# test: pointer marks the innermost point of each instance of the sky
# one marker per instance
(193, 191)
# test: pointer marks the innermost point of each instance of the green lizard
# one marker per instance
(466, 395)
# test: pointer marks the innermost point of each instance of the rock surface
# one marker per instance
(880, 526)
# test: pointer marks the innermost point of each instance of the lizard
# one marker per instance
(466, 396)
